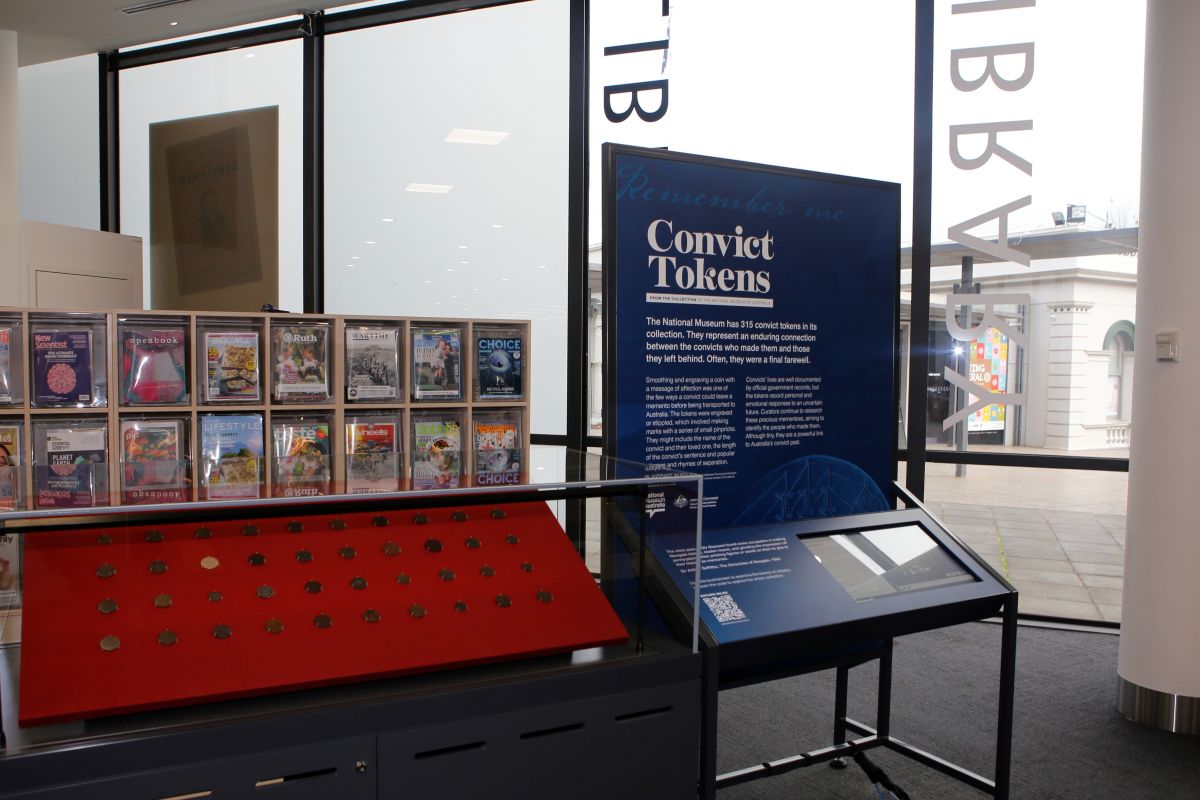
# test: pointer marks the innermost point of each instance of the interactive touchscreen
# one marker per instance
(886, 561)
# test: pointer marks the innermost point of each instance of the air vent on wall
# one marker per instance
(150, 6)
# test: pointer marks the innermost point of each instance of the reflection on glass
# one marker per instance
(886, 561)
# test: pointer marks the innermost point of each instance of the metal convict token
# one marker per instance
(433, 545)
(403, 579)
(498, 513)
(337, 524)
(265, 592)
(473, 543)
(446, 574)
(303, 556)
(459, 516)
(503, 600)
(104, 538)
(167, 638)
(107, 606)
(210, 562)
(323, 621)
(215, 597)
(312, 587)
(158, 566)
(420, 519)
(203, 533)
(358, 583)
(222, 631)
(109, 643)
(390, 549)
(249, 530)
(371, 615)
(487, 571)
(379, 521)
(295, 526)
(256, 559)
(512, 538)
(106, 571)
(347, 552)
(416, 611)
(274, 625)
(163, 601)
(460, 606)
(543, 596)
(154, 535)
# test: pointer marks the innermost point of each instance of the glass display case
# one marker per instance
(219, 611)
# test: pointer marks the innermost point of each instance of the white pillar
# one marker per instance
(1159, 664)
(12, 282)
(1066, 382)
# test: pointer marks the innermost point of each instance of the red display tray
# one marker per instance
(489, 588)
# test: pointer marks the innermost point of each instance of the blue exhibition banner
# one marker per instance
(751, 332)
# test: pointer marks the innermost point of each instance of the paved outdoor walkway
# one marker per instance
(1058, 535)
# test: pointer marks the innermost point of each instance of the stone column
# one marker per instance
(1066, 380)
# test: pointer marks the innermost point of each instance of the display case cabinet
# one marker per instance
(353, 645)
(154, 377)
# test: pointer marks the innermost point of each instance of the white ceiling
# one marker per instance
(54, 29)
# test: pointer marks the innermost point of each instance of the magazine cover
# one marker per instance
(437, 363)
(301, 454)
(7, 378)
(301, 366)
(497, 438)
(232, 358)
(75, 471)
(62, 368)
(10, 466)
(372, 459)
(372, 364)
(10, 572)
(498, 353)
(154, 365)
(437, 455)
(151, 456)
(231, 447)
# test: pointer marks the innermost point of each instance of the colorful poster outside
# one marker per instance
(988, 365)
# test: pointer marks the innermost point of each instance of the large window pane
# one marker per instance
(258, 225)
(1057, 535)
(1037, 121)
(446, 176)
(802, 85)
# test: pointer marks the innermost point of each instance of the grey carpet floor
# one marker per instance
(1068, 741)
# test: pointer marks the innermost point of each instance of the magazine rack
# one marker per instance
(114, 407)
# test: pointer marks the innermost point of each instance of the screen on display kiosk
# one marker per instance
(886, 561)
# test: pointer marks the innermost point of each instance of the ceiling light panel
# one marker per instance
(428, 188)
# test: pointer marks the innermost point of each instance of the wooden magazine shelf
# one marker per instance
(24, 411)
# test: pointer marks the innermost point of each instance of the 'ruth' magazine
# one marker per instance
(301, 366)
(151, 461)
(372, 363)
(437, 363)
(301, 455)
(437, 450)
(231, 447)
(372, 455)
